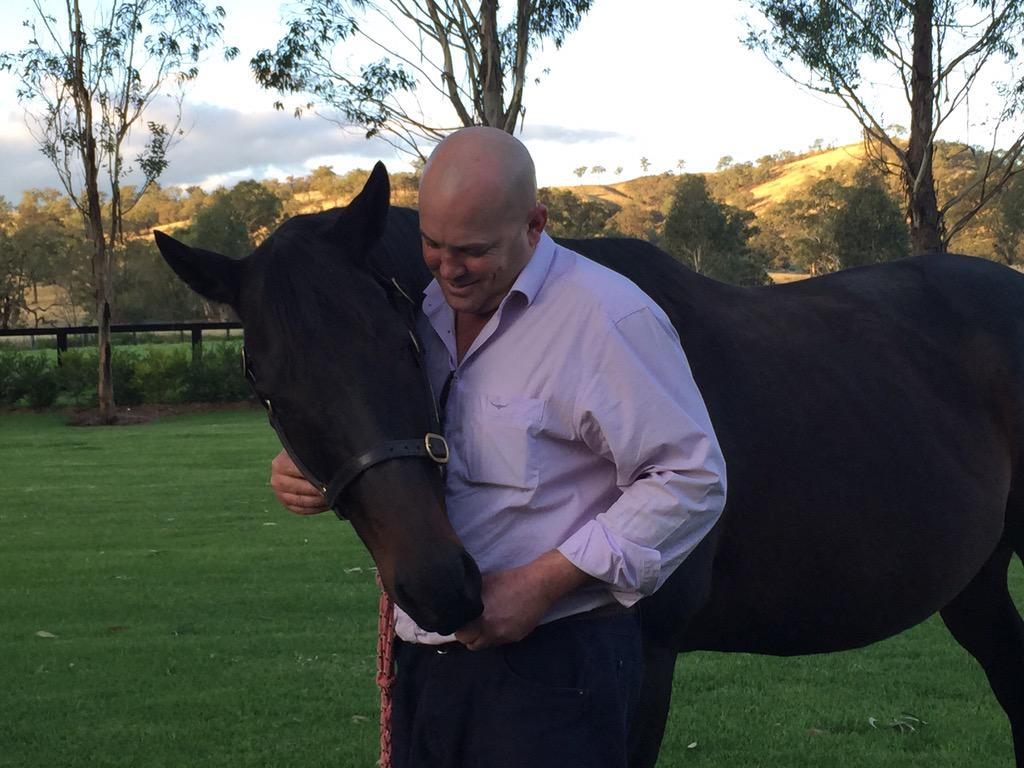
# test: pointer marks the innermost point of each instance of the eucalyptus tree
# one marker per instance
(711, 237)
(936, 51)
(466, 61)
(85, 89)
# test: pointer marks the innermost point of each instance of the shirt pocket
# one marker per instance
(501, 441)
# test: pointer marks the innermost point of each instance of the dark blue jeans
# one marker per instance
(560, 698)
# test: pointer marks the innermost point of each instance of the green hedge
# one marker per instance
(141, 375)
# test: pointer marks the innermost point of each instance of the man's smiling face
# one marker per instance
(479, 217)
(475, 264)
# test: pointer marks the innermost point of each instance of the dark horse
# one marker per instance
(871, 422)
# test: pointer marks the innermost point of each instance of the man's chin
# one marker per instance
(462, 302)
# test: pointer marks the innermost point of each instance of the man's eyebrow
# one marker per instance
(481, 245)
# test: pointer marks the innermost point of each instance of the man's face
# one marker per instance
(476, 254)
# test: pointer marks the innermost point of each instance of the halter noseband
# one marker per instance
(431, 446)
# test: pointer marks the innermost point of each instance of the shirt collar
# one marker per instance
(531, 279)
(527, 284)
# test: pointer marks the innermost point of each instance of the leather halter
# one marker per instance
(431, 446)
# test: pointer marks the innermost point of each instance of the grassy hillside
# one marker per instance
(784, 179)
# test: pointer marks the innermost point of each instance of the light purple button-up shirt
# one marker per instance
(574, 424)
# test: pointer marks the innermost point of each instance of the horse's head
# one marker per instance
(331, 353)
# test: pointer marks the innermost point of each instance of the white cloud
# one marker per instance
(562, 135)
(219, 146)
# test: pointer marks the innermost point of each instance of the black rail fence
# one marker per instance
(62, 334)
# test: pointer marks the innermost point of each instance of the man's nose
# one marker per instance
(451, 267)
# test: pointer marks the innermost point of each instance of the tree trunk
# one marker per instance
(101, 257)
(102, 271)
(103, 279)
(918, 179)
(492, 82)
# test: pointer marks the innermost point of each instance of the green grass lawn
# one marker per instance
(195, 623)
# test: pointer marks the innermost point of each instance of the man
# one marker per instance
(584, 469)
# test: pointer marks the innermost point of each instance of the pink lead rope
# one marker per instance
(385, 671)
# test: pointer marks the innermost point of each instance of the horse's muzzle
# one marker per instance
(442, 598)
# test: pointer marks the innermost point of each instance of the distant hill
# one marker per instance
(799, 174)
(784, 180)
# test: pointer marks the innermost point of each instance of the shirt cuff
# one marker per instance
(631, 570)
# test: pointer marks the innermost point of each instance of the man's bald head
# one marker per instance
(484, 166)
(479, 217)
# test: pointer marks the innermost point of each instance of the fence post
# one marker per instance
(197, 344)
(62, 345)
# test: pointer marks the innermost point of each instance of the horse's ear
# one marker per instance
(367, 214)
(209, 274)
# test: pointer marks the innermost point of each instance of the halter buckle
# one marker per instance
(436, 447)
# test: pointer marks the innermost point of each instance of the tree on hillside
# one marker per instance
(12, 273)
(570, 215)
(233, 221)
(469, 59)
(580, 171)
(85, 88)
(47, 238)
(258, 208)
(636, 221)
(39, 240)
(1008, 224)
(645, 164)
(712, 238)
(155, 205)
(937, 51)
(835, 226)
(193, 202)
(146, 294)
(868, 226)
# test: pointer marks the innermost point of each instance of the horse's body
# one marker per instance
(871, 423)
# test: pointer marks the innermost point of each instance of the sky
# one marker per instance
(668, 80)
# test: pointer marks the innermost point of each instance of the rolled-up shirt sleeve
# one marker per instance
(639, 408)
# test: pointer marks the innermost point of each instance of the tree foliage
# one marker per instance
(232, 219)
(936, 51)
(833, 226)
(1008, 223)
(712, 238)
(470, 59)
(570, 215)
(85, 88)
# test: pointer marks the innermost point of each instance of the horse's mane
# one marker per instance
(307, 285)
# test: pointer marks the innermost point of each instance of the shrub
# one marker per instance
(217, 376)
(8, 359)
(141, 375)
(28, 379)
(77, 377)
(162, 376)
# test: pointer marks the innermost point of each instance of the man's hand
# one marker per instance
(294, 491)
(515, 600)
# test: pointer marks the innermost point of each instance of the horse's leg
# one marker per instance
(648, 725)
(985, 621)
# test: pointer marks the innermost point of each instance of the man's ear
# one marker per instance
(362, 222)
(209, 274)
(536, 223)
